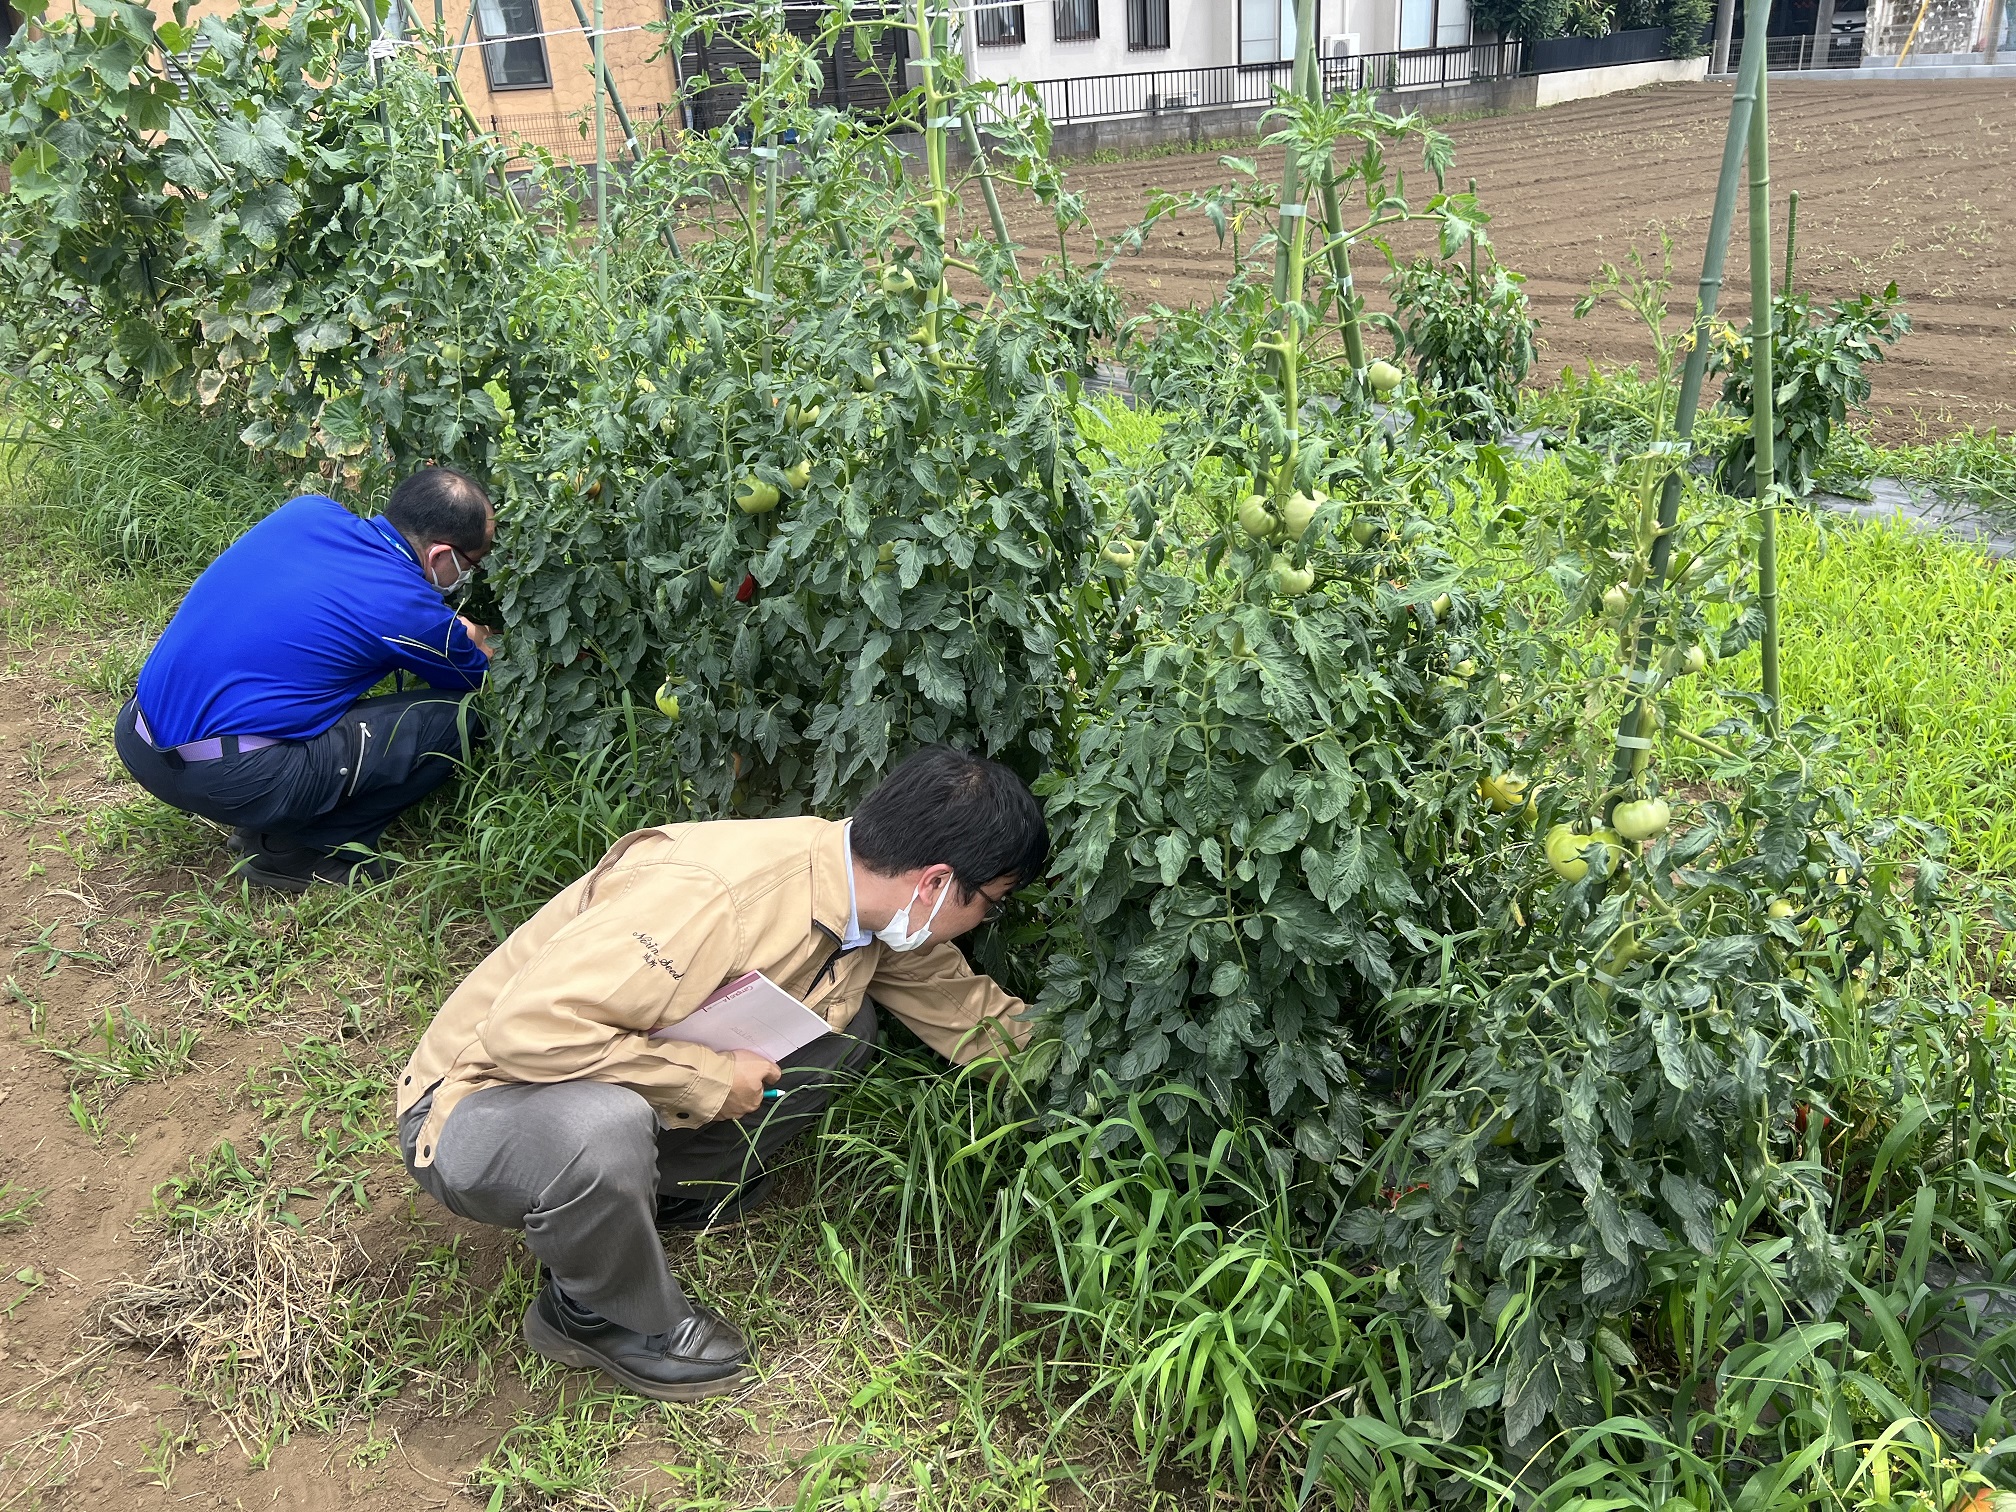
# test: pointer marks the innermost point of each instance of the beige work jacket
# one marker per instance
(661, 922)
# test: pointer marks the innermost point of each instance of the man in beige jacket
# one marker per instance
(537, 1099)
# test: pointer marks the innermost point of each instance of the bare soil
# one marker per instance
(80, 1418)
(1908, 182)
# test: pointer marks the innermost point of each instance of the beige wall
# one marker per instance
(550, 116)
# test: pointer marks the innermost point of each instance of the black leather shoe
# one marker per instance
(680, 1215)
(295, 871)
(700, 1357)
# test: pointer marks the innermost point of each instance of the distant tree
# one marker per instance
(1689, 20)
(1528, 20)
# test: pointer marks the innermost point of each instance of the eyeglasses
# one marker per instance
(997, 908)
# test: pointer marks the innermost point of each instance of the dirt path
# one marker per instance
(83, 1422)
(1911, 182)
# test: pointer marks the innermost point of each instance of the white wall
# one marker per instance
(1589, 83)
(1202, 34)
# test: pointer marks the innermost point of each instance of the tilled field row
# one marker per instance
(1911, 182)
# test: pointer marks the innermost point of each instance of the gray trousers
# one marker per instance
(579, 1166)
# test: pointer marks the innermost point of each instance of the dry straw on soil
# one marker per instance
(263, 1313)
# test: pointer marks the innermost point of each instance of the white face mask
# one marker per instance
(896, 933)
(452, 590)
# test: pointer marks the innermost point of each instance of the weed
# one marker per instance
(134, 1051)
(341, 1108)
(220, 1185)
(560, 1456)
(18, 1204)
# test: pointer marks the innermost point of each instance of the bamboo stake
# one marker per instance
(1763, 432)
(1693, 374)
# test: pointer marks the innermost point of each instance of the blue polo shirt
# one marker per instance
(297, 619)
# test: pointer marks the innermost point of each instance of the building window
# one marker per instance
(1434, 23)
(1266, 32)
(1076, 20)
(999, 26)
(1147, 25)
(514, 54)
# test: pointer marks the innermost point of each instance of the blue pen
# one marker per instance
(773, 1092)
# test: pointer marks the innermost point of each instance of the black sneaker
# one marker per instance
(679, 1215)
(701, 1357)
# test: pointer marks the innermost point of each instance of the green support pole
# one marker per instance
(1791, 236)
(1762, 384)
(608, 84)
(994, 215)
(1291, 174)
(601, 163)
(1694, 372)
(1340, 254)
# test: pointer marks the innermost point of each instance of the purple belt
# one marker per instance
(205, 750)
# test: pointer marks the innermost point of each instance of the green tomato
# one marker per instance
(1695, 660)
(1289, 580)
(1642, 818)
(1779, 908)
(1120, 553)
(1441, 607)
(801, 418)
(1384, 377)
(1256, 519)
(799, 474)
(898, 280)
(1298, 512)
(1465, 669)
(754, 496)
(668, 702)
(1564, 846)
(1616, 599)
(1504, 791)
(1364, 529)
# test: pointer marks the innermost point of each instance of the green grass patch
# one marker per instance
(1901, 641)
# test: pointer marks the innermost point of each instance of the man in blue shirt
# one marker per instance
(251, 711)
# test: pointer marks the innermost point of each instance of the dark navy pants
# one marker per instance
(341, 788)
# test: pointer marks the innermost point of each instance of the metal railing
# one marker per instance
(1106, 96)
(572, 137)
(1788, 54)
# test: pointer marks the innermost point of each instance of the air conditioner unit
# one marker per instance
(1340, 45)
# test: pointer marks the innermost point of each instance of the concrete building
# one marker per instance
(1057, 39)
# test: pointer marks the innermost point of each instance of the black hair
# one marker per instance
(944, 805)
(441, 504)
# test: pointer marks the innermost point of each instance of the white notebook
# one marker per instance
(750, 1013)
